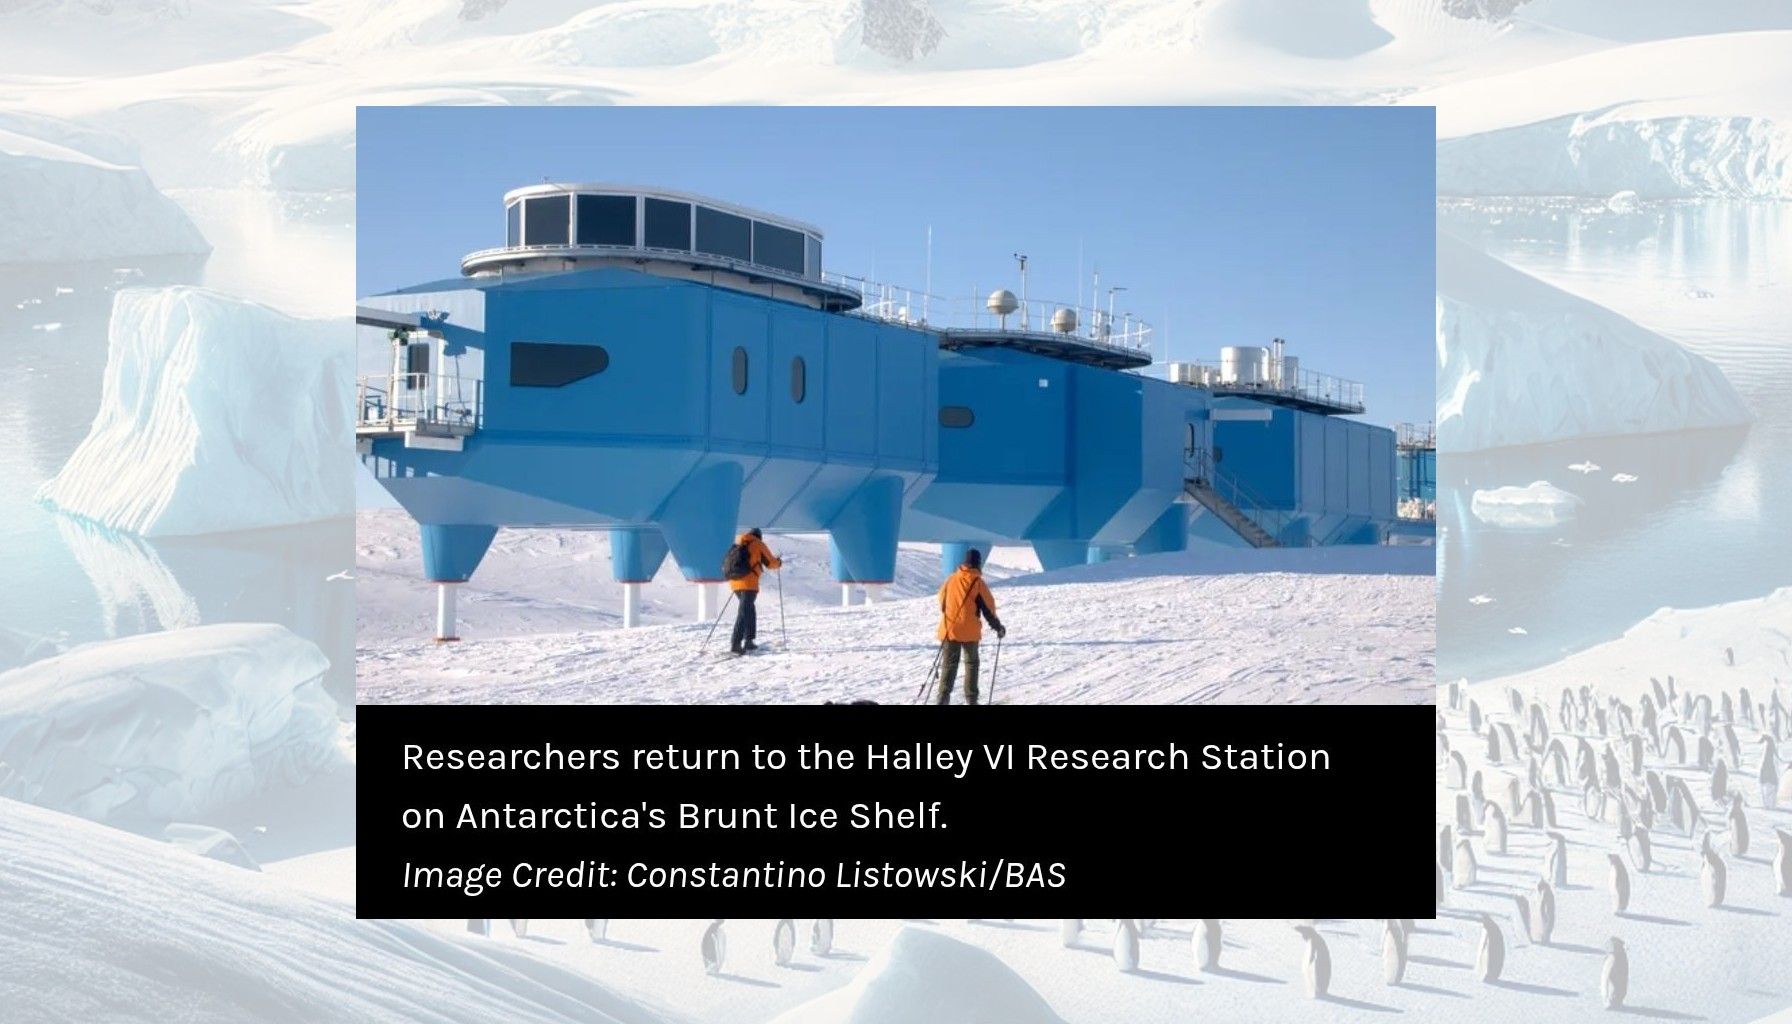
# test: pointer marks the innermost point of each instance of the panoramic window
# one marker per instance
(541, 364)
(668, 224)
(799, 383)
(814, 247)
(546, 220)
(724, 234)
(740, 370)
(606, 220)
(778, 248)
(956, 416)
(513, 227)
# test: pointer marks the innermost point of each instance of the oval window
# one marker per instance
(1189, 444)
(740, 370)
(799, 384)
(956, 416)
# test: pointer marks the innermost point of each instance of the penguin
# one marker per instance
(1640, 851)
(1769, 775)
(1477, 796)
(1126, 945)
(1592, 802)
(1474, 716)
(1614, 977)
(821, 936)
(1493, 744)
(1462, 871)
(479, 925)
(1720, 781)
(1490, 956)
(1711, 879)
(1549, 809)
(1732, 745)
(1445, 847)
(1626, 824)
(520, 926)
(597, 928)
(1658, 794)
(1531, 810)
(1069, 930)
(1727, 711)
(1456, 772)
(1634, 746)
(1738, 829)
(1676, 746)
(784, 942)
(1706, 753)
(1493, 821)
(1455, 694)
(1543, 922)
(1523, 910)
(1782, 863)
(1393, 952)
(1465, 821)
(1515, 701)
(1316, 965)
(1207, 944)
(1661, 695)
(714, 947)
(1443, 747)
(1440, 883)
(1555, 862)
(1748, 707)
(1620, 883)
(1557, 760)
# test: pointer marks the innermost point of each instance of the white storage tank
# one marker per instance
(1290, 378)
(1244, 364)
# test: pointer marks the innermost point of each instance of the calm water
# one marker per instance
(1709, 518)
(69, 582)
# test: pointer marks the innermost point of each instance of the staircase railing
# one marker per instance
(1199, 466)
(398, 401)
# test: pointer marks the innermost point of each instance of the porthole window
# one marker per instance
(540, 364)
(1188, 445)
(956, 416)
(799, 384)
(740, 370)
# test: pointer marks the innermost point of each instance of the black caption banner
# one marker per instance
(676, 811)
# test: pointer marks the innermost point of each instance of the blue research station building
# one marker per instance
(673, 368)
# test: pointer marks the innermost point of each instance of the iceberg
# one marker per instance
(215, 415)
(1537, 506)
(67, 195)
(1521, 362)
(165, 727)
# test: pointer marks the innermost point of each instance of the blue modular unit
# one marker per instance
(669, 410)
(1314, 479)
(1418, 474)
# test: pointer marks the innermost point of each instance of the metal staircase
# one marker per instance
(1226, 498)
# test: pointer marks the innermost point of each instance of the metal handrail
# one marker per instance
(1271, 520)
(896, 304)
(400, 401)
(1308, 385)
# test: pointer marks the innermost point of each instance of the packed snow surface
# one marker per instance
(66, 195)
(1539, 504)
(167, 726)
(1520, 361)
(924, 975)
(106, 926)
(215, 415)
(1212, 624)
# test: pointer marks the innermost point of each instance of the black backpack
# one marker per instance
(737, 563)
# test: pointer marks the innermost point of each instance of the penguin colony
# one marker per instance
(1679, 789)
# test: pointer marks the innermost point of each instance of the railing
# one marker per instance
(424, 402)
(1416, 435)
(1306, 385)
(1198, 465)
(1121, 332)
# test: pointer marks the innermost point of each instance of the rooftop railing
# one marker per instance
(1120, 332)
(1304, 385)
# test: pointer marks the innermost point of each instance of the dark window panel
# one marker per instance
(778, 248)
(739, 369)
(541, 364)
(724, 234)
(799, 380)
(814, 248)
(513, 227)
(956, 416)
(606, 220)
(547, 220)
(668, 224)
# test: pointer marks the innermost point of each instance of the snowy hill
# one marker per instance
(1209, 625)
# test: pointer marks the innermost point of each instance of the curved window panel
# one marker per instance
(606, 220)
(957, 416)
(778, 248)
(541, 364)
(724, 234)
(547, 220)
(668, 224)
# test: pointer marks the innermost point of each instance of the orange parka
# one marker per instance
(759, 559)
(959, 597)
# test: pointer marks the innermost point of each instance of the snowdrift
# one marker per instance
(925, 976)
(103, 925)
(1522, 362)
(67, 194)
(167, 726)
(215, 415)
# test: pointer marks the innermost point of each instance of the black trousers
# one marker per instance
(949, 668)
(746, 619)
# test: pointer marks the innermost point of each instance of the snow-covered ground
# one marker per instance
(1212, 624)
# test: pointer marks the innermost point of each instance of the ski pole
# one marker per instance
(712, 626)
(932, 672)
(783, 633)
(993, 669)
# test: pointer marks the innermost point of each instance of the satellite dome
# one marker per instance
(1002, 302)
(1064, 320)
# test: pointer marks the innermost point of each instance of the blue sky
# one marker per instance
(1227, 226)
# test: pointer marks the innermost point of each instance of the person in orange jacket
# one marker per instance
(965, 601)
(756, 558)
